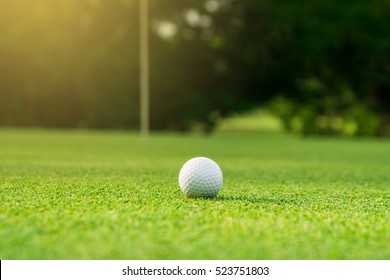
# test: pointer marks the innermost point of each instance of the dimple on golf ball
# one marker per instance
(200, 177)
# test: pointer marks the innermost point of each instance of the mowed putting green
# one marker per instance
(103, 195)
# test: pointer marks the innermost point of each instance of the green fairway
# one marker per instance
(102, 195)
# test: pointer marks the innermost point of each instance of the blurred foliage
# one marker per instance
(69, 63)
(322, 66)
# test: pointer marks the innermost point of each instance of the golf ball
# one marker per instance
(200, 177)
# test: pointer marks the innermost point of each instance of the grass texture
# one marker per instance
(104, 195)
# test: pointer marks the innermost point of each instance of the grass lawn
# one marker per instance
(102, 195)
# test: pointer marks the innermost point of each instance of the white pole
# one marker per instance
(144, 71)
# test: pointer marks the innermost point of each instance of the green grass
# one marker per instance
(102, 195)
(258, 120)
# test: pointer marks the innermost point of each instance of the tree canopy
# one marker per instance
(322, 66)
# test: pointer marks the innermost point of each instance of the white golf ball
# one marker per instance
(200, 177)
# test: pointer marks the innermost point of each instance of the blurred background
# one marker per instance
(317, 67)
